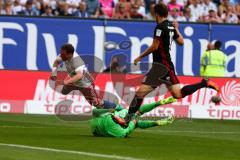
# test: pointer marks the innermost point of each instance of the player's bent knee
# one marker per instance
(143, 91)
(141, 94)
(176, 95)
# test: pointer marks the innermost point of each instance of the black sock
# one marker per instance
(133, 108)
(189, 89)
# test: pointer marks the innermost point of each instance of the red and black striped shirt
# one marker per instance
(165, 33)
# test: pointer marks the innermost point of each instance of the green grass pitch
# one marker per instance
(65, 140)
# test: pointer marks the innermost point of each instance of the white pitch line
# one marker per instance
(200, 132)
(70, 152)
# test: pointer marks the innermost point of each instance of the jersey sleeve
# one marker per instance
(205, 59)
(117, 131)
(158, 32)
(175, 36)
(203, 63)
(130, 128)
(224, 60)
(80, 69)
(79, 64)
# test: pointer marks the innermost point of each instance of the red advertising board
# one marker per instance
(34, 86)
(12, 106)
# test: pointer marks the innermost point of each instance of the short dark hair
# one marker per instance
(217, 44)
(211, 11)
(161, 10)
(29, 2)
(68, 48)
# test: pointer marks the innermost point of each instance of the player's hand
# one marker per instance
(53, 78)
(138, 59)
(175, 24)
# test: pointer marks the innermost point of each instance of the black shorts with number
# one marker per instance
(159, 74)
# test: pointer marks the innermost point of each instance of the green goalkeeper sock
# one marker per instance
(146, 124)
(148, 107)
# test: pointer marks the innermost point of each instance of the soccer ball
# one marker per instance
(216, 99)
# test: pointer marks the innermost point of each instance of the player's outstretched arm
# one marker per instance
(149, 50)
(54, 69)
(123, 132)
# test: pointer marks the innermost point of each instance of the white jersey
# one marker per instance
(76, 64)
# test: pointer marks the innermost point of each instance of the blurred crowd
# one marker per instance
(216, 11)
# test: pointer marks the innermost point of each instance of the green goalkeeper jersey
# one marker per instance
(104, 125)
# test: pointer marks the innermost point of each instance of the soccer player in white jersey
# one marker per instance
(80, 79)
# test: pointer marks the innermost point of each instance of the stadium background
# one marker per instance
(31, 123)
(30, 45)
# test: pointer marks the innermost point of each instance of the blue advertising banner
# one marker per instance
(33, 43)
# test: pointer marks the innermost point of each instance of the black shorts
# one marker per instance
(158, 75)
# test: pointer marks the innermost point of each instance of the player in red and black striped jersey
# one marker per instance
(162, 70)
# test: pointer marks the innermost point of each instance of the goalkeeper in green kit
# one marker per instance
(105, 122)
